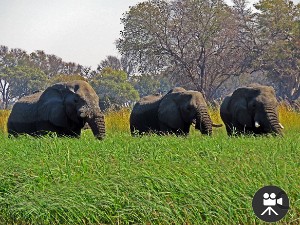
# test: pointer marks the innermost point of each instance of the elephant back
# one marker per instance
(144, 115)
(150, 99)
(176, 89)
(30, 99)
(22, 118)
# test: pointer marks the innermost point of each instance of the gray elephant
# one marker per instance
(63, 108)
(251, 110)
(172, 113)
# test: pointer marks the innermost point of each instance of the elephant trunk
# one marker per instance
(97, 124)
(203, 120)
(271, 123)
(272, 117)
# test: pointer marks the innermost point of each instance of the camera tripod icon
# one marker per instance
(270, 200)
(270, 203)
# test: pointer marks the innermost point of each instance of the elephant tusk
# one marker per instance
(282, 127)
(256, 124)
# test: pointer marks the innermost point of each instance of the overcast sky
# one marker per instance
(80, 31)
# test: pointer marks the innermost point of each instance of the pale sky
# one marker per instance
(80, 31)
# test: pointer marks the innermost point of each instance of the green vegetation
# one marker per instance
(214, 48)
(151, 179)
(113, 87)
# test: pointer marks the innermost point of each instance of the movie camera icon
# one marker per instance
(270, 200)
(270, 203)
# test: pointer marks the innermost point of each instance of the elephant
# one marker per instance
(251, 110)
(62, 108)
(172, 113)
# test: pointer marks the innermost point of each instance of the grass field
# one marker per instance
(146, 180)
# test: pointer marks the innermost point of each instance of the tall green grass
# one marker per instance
(161, 180)
(146, 180)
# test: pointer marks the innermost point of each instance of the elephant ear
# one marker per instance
(51, 105)
(169, 112)
(187, 106)
(238, 105)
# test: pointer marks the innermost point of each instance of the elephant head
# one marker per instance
(253, 109)
(68, 106)
(178, 110)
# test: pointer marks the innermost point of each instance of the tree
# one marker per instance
(279, 35)
(9, 59)
(5, 61)
(53, 65)
(19, 81)
(49, 64)
(127, 65)
(116, 64)
(247, 39)
(25, 80)
(110, 61)
(194, 41)
(87, 72)
(113, 88)
(145, 84)
(21, 73)
(4, 88)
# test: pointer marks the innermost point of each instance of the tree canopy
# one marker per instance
(278, 25)
(197, 42)
(113, 88)
(200, 44)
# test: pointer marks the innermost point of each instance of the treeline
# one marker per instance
(204, 45)
(22, 74)
(212, 47)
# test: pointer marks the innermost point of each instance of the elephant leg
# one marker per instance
(164, 129)
(71, 133)
(179, 132)
(44, 128)
(234, 129)
(183, 131)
